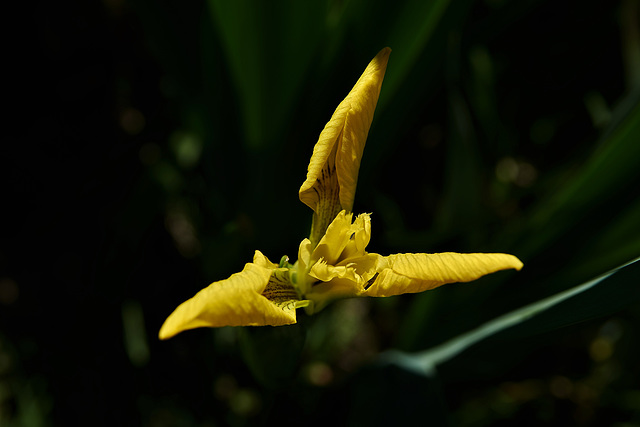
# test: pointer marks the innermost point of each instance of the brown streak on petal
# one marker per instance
(370, 281)
(279, 289)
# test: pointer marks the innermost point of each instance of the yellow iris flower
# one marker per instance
(333, 262)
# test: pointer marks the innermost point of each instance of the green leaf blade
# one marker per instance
(602, 295)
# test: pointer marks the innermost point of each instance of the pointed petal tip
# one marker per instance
(174, 324)
(378, 67)
(512, 261)
(383, 55)
(519, 265)
(165, 333)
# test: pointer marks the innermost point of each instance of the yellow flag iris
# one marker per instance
(333, 262)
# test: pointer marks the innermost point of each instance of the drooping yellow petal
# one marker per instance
(254, 297)
(410, 273)
(333, 170)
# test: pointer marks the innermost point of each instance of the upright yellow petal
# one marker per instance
(359, 237)
(362, 103)
(333, 170)
(256, 296)
(334, 240)
(343, 239)
(410, 273)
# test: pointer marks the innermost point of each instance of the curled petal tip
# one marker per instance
(517, 264)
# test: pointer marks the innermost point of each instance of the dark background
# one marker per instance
(152, 146)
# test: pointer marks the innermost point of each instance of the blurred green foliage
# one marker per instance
(158, 144)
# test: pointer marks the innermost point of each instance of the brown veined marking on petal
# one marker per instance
(328, 191)
(280, 291)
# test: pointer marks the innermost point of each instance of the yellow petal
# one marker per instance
(325, 272)
(356, 129)
(359, 237)
(325, 292)
(254, 297)
(410, 273)
(366, 266)
(343, 239)
(345, 280)
(334, 240)
(333, 170)
(260, 259)
(304, 255)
